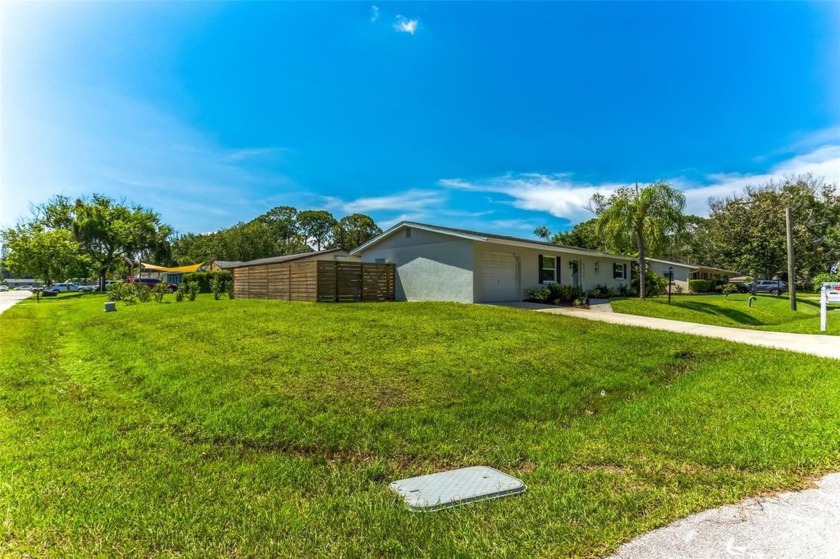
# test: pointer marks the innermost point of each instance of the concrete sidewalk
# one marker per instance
(813, 344)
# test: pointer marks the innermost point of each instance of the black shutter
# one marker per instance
(540, 264)
(625, 272)
(557, 269)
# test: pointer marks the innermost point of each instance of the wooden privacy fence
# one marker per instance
(316, 280)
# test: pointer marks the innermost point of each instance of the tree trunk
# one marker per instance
(642, 265)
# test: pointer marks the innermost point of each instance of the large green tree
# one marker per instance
(583, 235)
(749, 230)
(316, 226)
(354, 230)
(106, 231)
(41, 253)
(646, 218)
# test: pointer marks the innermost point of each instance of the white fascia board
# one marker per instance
(680, 264)
(564, 250)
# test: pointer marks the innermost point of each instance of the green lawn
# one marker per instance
(766, 313)
(267, 429)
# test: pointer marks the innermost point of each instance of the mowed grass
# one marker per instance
(270, 429)
(766, 313)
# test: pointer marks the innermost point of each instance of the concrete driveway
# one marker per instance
(787, 526)
(9, 298)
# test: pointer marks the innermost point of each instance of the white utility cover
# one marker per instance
(456, 487)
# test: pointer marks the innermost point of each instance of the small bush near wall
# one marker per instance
(555, 293)
(538, 294)
(564, 293)
(205, 279)
(600, 292)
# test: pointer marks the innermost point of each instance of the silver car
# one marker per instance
(773, 287)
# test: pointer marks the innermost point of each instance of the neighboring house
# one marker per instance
(685, 272)
(443, 264)
(218, 265)
(707, 272)
(682, 272)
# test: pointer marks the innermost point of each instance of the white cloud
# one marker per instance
(374, 14)
(412, 201)
(555, 194)
(405, 25)
(561, 196)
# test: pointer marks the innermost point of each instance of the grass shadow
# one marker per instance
(736, 316)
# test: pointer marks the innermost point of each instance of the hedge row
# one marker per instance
(704, 286)
(204, 278)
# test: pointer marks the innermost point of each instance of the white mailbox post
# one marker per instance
(823, 305)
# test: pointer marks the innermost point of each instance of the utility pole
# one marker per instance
(791, 273)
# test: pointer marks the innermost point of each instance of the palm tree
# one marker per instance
(645, 218)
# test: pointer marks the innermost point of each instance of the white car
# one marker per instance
(66, 287)
(4, 287)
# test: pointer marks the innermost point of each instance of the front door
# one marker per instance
(575, 272)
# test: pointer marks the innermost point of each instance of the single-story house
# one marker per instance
(443, 264)
(708, 272)
(218, 265)
(685, 272)
(682, 272)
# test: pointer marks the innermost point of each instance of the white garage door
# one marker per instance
(498, 272)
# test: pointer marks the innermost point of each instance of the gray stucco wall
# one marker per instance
(681, 273)
(528, 268)
(430, 266)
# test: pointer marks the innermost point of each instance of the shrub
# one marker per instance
(192, 290)
(564, 293)
(654, 283)
(819, 279)
(216, 287)
(230, 289)
(144, 293)
(600, 292)
(622, 290)
(204, 280)
(179, 295)
(729, 288)
(702, 286)
(538, 294)
(159, 291)
(123, 292)
(678, 288)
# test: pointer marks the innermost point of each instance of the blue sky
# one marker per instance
(494, 116)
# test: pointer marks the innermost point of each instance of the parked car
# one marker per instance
(49, 293)
(773, 287)
(68, 287)
(4, 287)
(151, 283)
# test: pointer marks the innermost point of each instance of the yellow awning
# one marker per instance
(176, 270)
